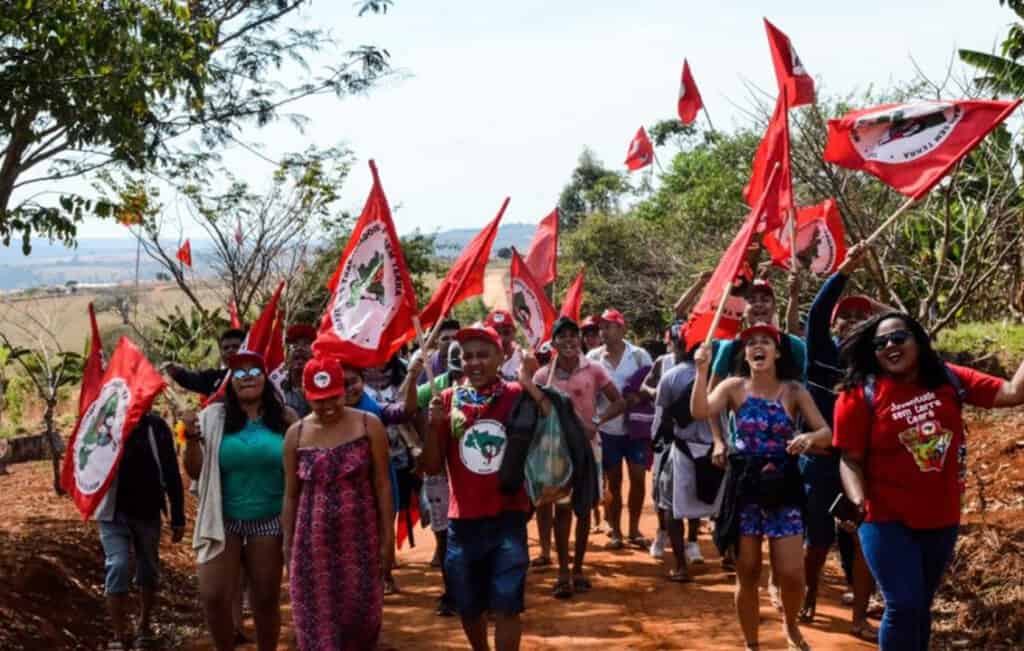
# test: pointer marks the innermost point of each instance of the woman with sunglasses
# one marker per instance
(899, 424)
(236, 457)
(763, 492)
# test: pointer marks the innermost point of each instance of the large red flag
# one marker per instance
(641, 151)
(122, 396)
(910, 147)
(774, 148)
(530, 305)
(233, 312)
(794, 82)
(542, 256)
(690, 102)
(275, 357)
(724, 279)
(820, 240)
(573, 302)
(185, 254)
(93, 371)
(370, 314)
(466, 277)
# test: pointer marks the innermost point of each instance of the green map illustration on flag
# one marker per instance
(99, 436)
(368, 291)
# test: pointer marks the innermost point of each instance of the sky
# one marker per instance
(498, 99)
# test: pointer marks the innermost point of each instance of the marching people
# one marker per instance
(763, 492)
(512, 354)
(337, 517)
(236, 456)
(128, 519)
(438, 359)
(298, 345)
(206, 381)
(899, 425)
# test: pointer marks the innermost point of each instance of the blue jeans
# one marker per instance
(486, 564)
(122, 538)
(908, 565)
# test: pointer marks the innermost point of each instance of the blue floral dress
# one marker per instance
(763, 428)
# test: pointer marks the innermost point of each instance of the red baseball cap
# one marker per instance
(323, 378)
(590, 322)
(300, 331)
(761, 285)
(613, 316)
(243, 357)
(499, 319)
(862, 303)
(761, 329)
(479, 331)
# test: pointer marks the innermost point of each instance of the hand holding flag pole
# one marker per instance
(423, 347)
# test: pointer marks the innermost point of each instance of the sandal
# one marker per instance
(541, 561)
(562, 589)
(581, 584)
(679, 576)
(864, 632)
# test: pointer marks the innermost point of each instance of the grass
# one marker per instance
(1006, 340)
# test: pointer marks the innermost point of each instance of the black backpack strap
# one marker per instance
(958, 386)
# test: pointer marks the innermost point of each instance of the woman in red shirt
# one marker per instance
(899, 424)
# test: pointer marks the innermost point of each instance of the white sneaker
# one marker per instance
(693, 555)
(658, 546)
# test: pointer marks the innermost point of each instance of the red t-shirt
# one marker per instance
(475, 450)
(913, 446)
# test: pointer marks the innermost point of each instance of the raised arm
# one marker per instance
(409, 390)
(1011, 393)
(431, 460)
(689, 297)
(703, 405)
(527, 369)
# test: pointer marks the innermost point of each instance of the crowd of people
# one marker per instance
(845, 428)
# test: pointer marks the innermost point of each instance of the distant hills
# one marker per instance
(112, 260)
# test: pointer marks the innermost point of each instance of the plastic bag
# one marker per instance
(548, 464)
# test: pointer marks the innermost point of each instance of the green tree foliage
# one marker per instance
(89, 84)
(592, 188)
(1002, 73)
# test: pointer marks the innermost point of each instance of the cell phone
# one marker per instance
(844, 510)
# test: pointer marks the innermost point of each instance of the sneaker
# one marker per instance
(658, 546)
(693, 555)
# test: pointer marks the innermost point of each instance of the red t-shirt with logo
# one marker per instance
(912, 439)
(474, 440)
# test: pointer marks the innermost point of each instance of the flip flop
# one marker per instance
(679, 577)
(581, 584)
(562, 589)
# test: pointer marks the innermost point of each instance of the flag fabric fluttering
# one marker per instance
(820, 240)
(373, 303)
(465, 279)
(94, 364)
(794, 82)
(774, 149)
(277, 371)
(233, 314)
(730, 269)
(911, 147)
(542, 256)
(122, 395)
(529, 305)
(185, 254)
(690, 102)
(641, 151)
(572, 305)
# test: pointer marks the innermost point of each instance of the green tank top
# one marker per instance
(252, 473)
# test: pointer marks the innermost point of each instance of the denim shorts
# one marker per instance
(821, 485)
(616, 448)
(121, 538)
(486, 564)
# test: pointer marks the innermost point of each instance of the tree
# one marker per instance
(1003, 74)
(592, 188)
(89, 85)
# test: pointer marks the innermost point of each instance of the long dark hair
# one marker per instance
(785, 365)
(235, 418)
(857, 354)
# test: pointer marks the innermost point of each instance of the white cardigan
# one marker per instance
(208, 537)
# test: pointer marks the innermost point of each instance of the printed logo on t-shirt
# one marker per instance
(925, 439)
(482, 447)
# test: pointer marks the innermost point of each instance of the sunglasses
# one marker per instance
(897, 338)
(241, 373)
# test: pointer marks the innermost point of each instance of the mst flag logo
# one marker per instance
(100, 435)
(482, 448)
(369, 294)
(904, 133)
(528, 312)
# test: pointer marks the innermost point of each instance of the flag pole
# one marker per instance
(718, 316)
(138, 256)
(889, 221)
(707, 116)
(792, 239)
(426, 362)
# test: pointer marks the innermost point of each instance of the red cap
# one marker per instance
(243, 357)
(761, 329)
(590, 322)
(479, 331)
(499, 319)
(613, 316)
(862, 303)
(300, 331)
(761, 285)
(323, 378)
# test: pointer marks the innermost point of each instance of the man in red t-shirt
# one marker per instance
(487, 556)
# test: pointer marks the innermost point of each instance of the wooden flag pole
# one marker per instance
(423, 351)
(707, 116)
(718, 316)
(792, 240)
(889, 222)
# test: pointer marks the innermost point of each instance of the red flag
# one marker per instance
(233, 311)
(641, 151)
(530, 305)
(466, 277)
(774, 148)
(239, 238)
(910, 147)
(730, 268)
(370, 313)
(794, 82)
(573, 302)
(690, 102)
(275, 357)
(123, 394)
(93, 371)
(820, 239)
(542, 256)
(407, 519)
(185, 254)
